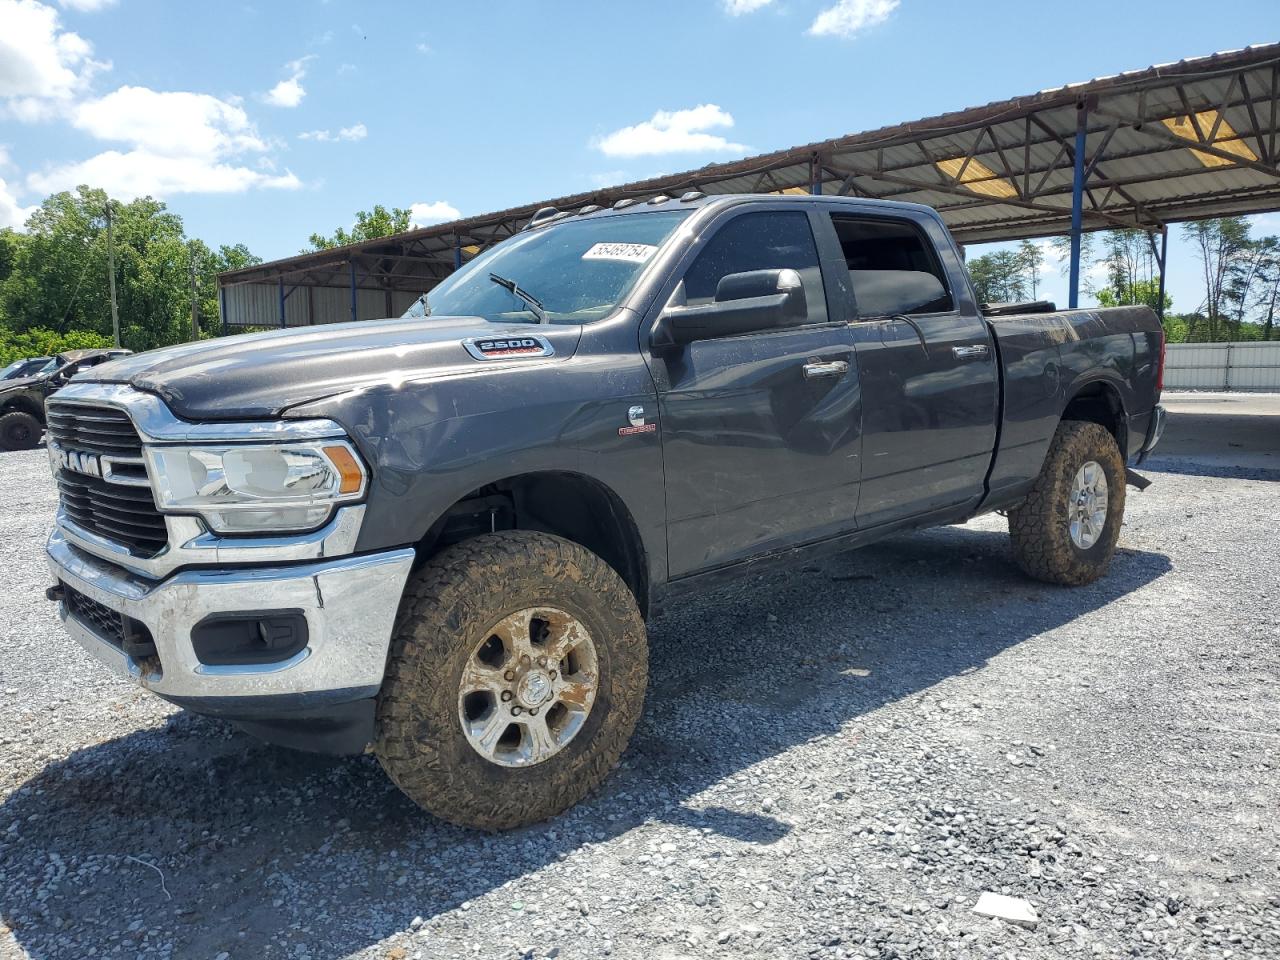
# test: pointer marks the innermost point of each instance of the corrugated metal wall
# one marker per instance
(1223, 366)
(258, 305)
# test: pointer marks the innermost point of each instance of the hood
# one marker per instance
(254, 376)
(22, 383)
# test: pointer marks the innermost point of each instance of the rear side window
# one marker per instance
(893, 268)
(769, 240)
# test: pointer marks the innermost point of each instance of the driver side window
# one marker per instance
(768, 240)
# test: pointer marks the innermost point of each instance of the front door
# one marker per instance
(759, 430)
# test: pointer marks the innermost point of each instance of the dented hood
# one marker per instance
(260, 375)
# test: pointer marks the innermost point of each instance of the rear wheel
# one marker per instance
(516, 678)
(1066, 530)
(20, 430)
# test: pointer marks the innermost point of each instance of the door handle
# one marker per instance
(826, 368)
(975, 352)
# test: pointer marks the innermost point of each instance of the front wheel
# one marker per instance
(19, 430)
(517, 675)
(1066, 530)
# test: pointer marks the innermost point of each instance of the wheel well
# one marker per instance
(1100, 403)
(568, 505)
(22, 405)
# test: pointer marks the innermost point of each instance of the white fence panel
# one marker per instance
(1223, 366)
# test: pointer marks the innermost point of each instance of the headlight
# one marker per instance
(251, 488)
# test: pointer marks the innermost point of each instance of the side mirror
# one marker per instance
(744, 303)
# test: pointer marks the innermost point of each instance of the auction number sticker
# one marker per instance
(630, 252)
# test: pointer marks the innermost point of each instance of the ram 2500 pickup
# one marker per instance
(439, 537)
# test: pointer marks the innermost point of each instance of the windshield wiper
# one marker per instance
(535, 305)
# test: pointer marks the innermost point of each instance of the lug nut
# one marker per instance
(515, 711)
(542, 661)
(533, 711)
(506, 695)
(525, 659)
(509, 675)
(551, 674)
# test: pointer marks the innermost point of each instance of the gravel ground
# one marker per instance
(834, 763)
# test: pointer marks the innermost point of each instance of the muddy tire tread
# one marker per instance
(445, 599)
(1037, 527)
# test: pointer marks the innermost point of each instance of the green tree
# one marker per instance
(57, 270)
(999, 277)
(369, 225)
(1062, 250)
(1218, 245)
(1145, 292)
(1032, 256)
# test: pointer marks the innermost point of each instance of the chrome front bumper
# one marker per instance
(349, 603)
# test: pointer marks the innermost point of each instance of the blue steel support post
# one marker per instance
(280, 282)
(457, 254)
(222, 296)
(352, 265)
(815, 175)
(1077, 204)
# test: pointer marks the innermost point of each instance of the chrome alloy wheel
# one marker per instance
(1087, 507)
(528, 687)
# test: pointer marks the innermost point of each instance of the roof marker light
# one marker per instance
(625, 202)
(691, 196)
(660, 198)
(544, 215)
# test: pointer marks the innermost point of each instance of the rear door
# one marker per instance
(926, 365)
(759, 430)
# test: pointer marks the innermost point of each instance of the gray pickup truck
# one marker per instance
(440, 536)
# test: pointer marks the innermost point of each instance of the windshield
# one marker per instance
(21, 368)
(571, 272)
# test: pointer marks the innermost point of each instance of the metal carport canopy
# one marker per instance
(1175, 142)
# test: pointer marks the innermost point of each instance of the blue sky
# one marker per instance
(263, 122)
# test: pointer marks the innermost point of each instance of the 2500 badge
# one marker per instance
(502, 348)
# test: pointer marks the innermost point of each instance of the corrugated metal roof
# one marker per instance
(1141, 173)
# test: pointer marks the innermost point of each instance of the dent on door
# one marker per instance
(758, 454)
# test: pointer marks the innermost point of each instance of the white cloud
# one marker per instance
(86, 6)
(438, 211)
(355, 132)
(169, 122)
(848, 17)
(678, 131)
(737, 8)
(12, 214)
(42, 66)
(178, 142)
(142, 172)
(289, 92)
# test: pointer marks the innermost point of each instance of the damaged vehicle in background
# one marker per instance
(22, 398)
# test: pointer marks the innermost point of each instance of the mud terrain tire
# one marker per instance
(1040, 527)
(449, 612)
(20, 430)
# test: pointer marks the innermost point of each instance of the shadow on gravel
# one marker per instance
(1225, 469)
(264, 850)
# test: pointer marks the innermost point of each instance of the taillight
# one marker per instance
(1160, 369)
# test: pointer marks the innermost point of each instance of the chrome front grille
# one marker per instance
(102, 478)
(93, 429)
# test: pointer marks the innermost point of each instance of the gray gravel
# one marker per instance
(834, 763)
